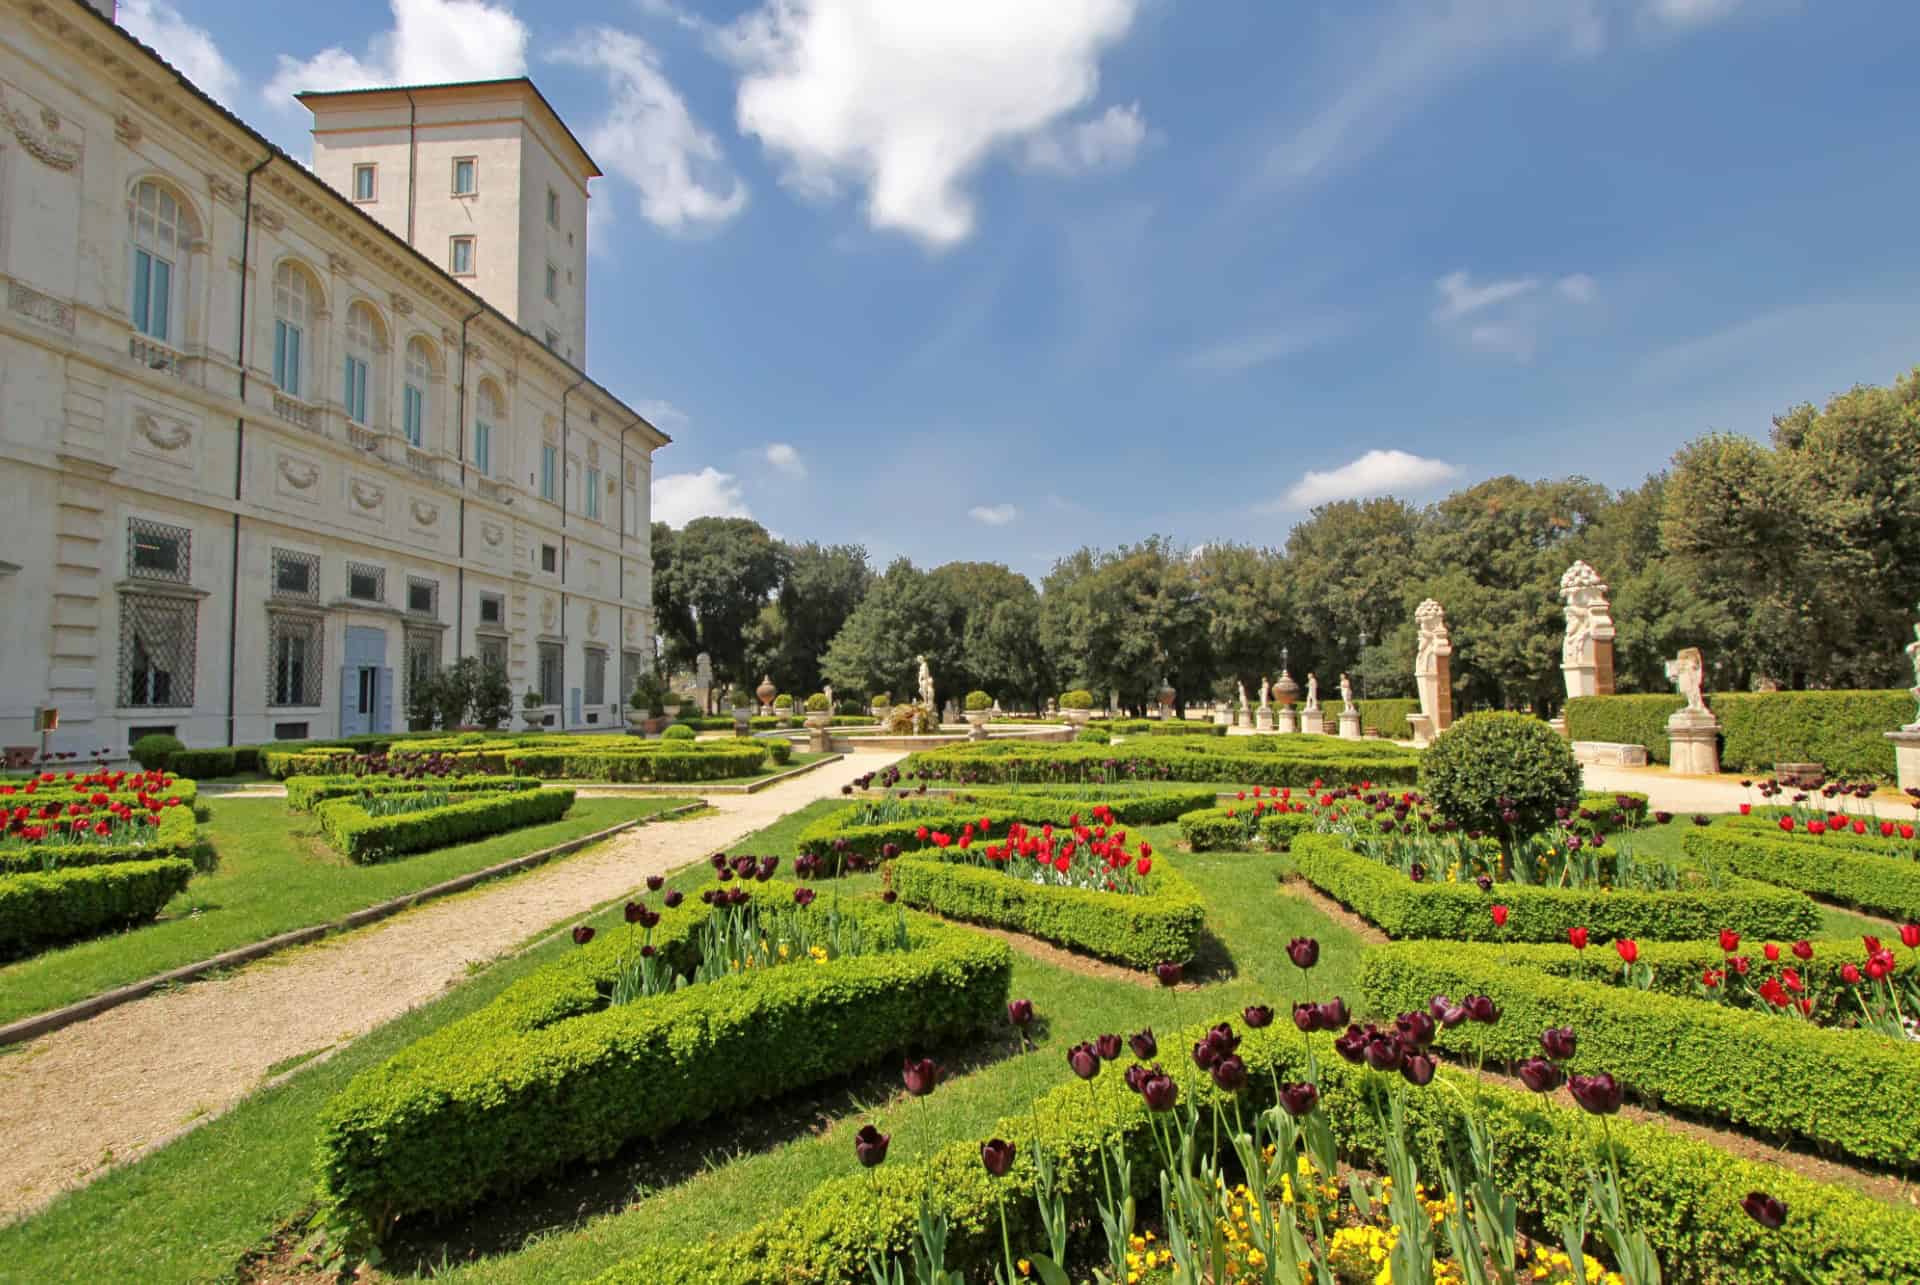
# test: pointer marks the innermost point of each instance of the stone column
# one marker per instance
(1349, 723)
(1694, 736)
(1313, 722)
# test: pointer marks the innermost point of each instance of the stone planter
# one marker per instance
(820, 718)
(1077, 717)
(638, 719)
(977, 724)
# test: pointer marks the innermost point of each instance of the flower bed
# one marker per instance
(1833, 869)
(304, 793)
(139, 835)
(550, 1072)
(1169, 759)
(1686, 1194)
(1273, 820)
(588, 759)
(1531, 912)
(349, 827)
(42, 908)
(1855, 1090)
(1075, 889)
(118, 787)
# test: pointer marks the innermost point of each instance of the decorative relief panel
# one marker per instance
(366, 496)
(43, 308)
(162, 433)
(493, 533)
(295, 477)
(425, 512)
(39, 134)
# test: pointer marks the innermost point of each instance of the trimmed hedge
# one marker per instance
(951, 814)
(1213, 830)
(1831, 869)
(38, 909)
(304, 793)
(1323, 758)
(1156, 727)
(175, 836)
(1855, 1090)
(548, 1074)
(1136, 929)
(1461, 912)
(1683, 1193)
(202, 764)
(1845, 730)
(647, 761)
(365, 839)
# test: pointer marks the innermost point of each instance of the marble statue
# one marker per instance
(1266, 689)
(1586, 651)
(1313, 691)
(1346, 690)
(1688, 673)
(1430, 659)
(926, 684)
(1243, 697)
(1913, 654)
(828, 693)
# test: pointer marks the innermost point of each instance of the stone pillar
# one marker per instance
(1349, 724)
(820, 740)
(1263, 721)
(1223, 715)
(1289, 720)
(1314, 722)
(1694, 735)
(1906, 756)
(1443, 697)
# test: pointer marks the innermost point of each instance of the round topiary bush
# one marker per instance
(977, 701)
(817, 703)
(783, 701)
(153, 750)
(1078, 698)
(1499, 771)
(678, 732)
(1092, 736)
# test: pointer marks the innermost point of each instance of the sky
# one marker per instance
(998, 279)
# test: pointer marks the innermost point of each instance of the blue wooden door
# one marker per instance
(366, 684)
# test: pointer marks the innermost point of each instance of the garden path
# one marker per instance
(107, 1090)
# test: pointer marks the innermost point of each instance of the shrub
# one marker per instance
(1220, 829)
(780, 752)
(978, 702)
(1091, 736)
(1485, 758)
(1684, 1193)
(570, 758)
(1158, 727)
(783, 701)
(203, 765)
(1844, 730)
(304, 793)
(1179, 758)
(41, 908)
(154, 749)
(817, 703)
(366, 839)
(882, 699)
(1459, 911)
(1078, 698)
(1831, 869)
(1856, 1090)
(678, 732)
(549, 1073)
(1137, 929)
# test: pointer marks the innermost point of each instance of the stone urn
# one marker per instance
(533, 717)
(638, 718)
(1076, 717)
(1167, 696)
(819, 718)
(766, 692)
(1286, 692)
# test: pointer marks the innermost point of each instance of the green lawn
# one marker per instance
(273, 875)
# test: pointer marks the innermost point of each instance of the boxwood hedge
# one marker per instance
(1156, 727)
(347, 826)
(592, 759)
(1854, 1090)
(306, 792)
(549, 1073)
(1685, 1194)
(1163, 922)
(1845, 730)
(1322, 758)
(175, 836)
(1460, 911)
(38, 909)
(1833, 869)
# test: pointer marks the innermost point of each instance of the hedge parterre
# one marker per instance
(1883, 881)
(349, 827)
(1169, 759)
(304, 793)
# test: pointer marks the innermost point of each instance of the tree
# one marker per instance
(823, 586)
(1346, 579)
(1249, 612)
(710, 581)
(995, 612)
(905, 614)
(1125, 621)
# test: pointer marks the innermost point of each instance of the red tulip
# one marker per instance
(1577, 938)
(1850, 974)
(1910, 936)
(1499, 916)
(1729, 941)
(1628, 948)
(1786, 823)
(1771, 951)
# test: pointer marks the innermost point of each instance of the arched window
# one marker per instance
(486, 415)
(295, 303)
(365, 338)
(161, 230)
(413, 396)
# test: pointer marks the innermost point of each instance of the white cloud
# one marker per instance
(993, 514)
(907, 100)
(1578, 287)
(678, 498)
(663, 414)
(1108, 141)
(187, 47)
(432, 42)
(1690, 13)
(1375, 473)
(1243, 352)
(786, 459)
(1459, 296)
(650, 138)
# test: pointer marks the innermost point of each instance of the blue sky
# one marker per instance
(994, 280)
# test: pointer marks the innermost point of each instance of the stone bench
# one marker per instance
(1610, 753)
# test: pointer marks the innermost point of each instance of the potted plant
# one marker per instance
(979, 708)
(737, 701)
(1076, 706)
(532, 709)
(818, 712)
(881, 702)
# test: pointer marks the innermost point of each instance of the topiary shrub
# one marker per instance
(1078, 698)
(780, 752)
(678, 732)
(783, 701)
(153, 750)
(1092, 736)
(1486, 758)
(978, 701)
(817, 703)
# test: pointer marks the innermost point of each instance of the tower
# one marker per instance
(483, 178)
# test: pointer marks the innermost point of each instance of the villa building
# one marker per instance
(276, 441)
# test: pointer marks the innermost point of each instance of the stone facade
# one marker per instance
(244, 504)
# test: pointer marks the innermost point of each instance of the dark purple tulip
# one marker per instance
(1108, 1047)
(1230, 1074)
(1306, 1016)
(1159, 1091)
(767, 866)
(803, 896)
(673, 898)
(870, 1145)
(1352, 1045)
(1415, 1028)
(1333, 1014)
(634, 910)
(1020, 1012)
(1203, 1056)
(1558, 1041)
(582, 934)
(920, 1075)
(997, 1156)
(1144, 1046)
(1766, 1210)
(707, 895)
(1136, 1075)
(1168, 973)
(1418, 1068)
(1298, 1099)
(1222, 1040)
(1257, 1016)
(647, 950)
(889, 851)
(724, 874)
(889, 896)
(1485, 883)
(718, 860)
(655, 883)
(1601, 1094)
(1538, 1074)
(1481, 1009)
(1383, 1054)
(1084, 1061)
(1304, 952)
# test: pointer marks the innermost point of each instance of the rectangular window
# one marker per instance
(153, 295)
(423, 596)
(413, 412)
(629, 671)
(423, 658)
(593, 493)
(493, 653)
(553, 208)
(493, 609)
(553, 341)
(290, 732)
(466, 171)
(366, 583)
(353, 393)
(286, 358)
(296, 575)
(553, 284)
(462, 262)
(156, 551)
(549, 558)
(483, 448)
(157, 644)
(550, 673)
(294, 660)
(549, 472)
(596, 693)
(363, 183)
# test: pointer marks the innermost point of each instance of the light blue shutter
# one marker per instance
(142, 278)
(160, 303)
(483, 447)
(280, 354)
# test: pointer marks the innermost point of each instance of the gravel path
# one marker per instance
(107, 1090)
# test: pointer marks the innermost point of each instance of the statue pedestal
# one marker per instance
(820, 740)
(1422, 726)
(1263, 721)
(1906, 755)
(1313, 722)
(1349, 724)
(1694, 736)
(1223, 716)
(1558, 724)
(1289, 721)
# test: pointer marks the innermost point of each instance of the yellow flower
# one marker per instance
(1026, 1268)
